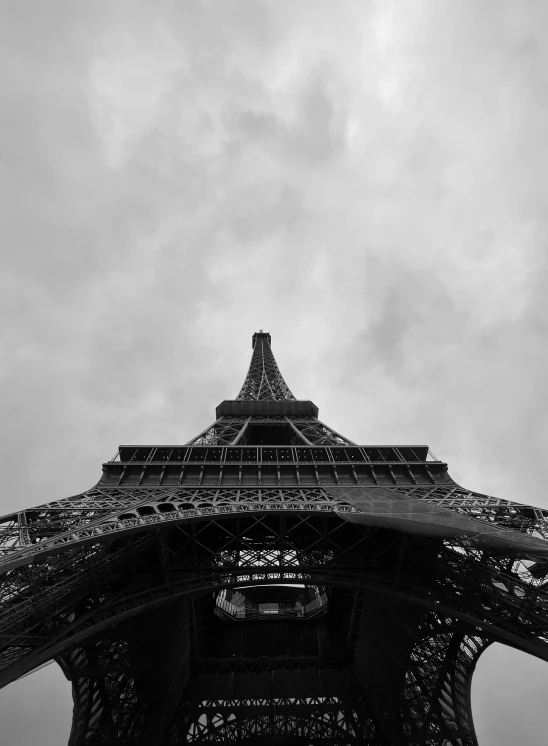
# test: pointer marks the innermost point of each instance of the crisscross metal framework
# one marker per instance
(264, 380)
(409, 578)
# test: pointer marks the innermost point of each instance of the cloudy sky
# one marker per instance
(365, 180)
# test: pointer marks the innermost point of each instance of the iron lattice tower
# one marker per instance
(271, 582)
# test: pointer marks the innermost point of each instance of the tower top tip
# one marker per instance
(260, 335)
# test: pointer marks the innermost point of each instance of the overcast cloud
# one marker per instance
(365, 180)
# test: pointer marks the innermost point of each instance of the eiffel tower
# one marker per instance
(271, 582)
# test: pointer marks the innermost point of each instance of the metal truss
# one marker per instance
(102, 512)
(232, 431)
(118, 511)
(106, 700)
(316, 548)
(321, 720)
(314, 432)
(126, 582)
(264, 380)
(492, 595)
(493, 510)
(435, 699)
(224, 432)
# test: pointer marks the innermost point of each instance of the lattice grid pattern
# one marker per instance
(324, 720)
(264, 380)
(77, 573)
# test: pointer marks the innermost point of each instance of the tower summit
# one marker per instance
(271, 581)
(264, 380)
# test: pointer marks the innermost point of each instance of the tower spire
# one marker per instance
(265, 400)
(264, 380)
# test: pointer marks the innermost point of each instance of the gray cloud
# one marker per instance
(366, 182)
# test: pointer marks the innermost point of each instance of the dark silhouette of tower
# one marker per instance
(271, 582)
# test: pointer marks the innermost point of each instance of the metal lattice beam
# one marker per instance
(412, 577)
(264, 380)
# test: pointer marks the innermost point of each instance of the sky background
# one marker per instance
(364, 180)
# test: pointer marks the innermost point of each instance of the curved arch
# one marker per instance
(106, 616)
(204, 554)
(121, 524)
(508, 689)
